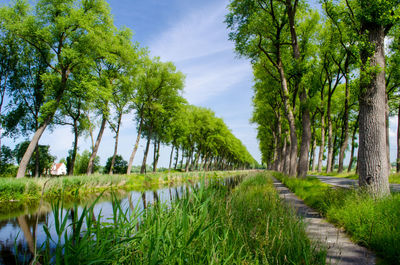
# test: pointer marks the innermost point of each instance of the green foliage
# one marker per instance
(46, 160)
(370, 222)
(120, 165)
(82, 161)
(6, 161)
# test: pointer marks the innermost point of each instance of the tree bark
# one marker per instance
(306, 137)
(387, 133)
(31, 148)
(116, 144)
(37, 161)
(322, 146)
(176, 158)
(96, 146)
(330, 143)
(313, 161)
(146, 152)
(287, 156)
(128, 171)
(398, 141)
(345, 130)
(372, 156)
(353, 146)
(170, 157)
(74, 150)
(157, 155)
(291, 121)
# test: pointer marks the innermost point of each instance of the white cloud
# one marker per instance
(199, 33)
(199, 46)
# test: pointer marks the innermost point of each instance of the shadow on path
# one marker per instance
(348, 183)
(340, 250)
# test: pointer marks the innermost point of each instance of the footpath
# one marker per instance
(348, 183)
(340, 249)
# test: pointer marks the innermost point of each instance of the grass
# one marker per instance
(22, 195)
(394, 178)
(372, 223)
(212, 225)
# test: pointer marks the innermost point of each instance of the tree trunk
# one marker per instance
(287, 156)
(334, 153)
(31, 148)
(291, 121)
(128, 171)
(372, 156)
(96, 146)
(170, 157)
(36, 137)
(345, 130)
(116, 144)
(188, 160)
(387, 134)
(353, 146)
(398, 141)
(330, 143)
(37, 161)
(146, 152)
(306, 136)
(74, 150)
(176, 158)
(313, 152)
(157, 154)
(322, 146)
(183, 155)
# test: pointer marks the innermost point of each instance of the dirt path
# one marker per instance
(347, 183)
(340, 250)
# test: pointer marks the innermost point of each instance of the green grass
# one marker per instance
(212, 225)
(372, 223)
(23, 195)
(394, 178)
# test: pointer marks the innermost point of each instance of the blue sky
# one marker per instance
(191, 34)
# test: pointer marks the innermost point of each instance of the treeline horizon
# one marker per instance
(67, 64)
(322, 79)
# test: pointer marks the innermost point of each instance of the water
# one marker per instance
(18, 235)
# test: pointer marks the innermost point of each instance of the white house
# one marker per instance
(58, 169)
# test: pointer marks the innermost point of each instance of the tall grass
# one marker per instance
(16, 194)
(212, 225)
(372, 223)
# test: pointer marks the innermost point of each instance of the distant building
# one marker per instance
(58, 169)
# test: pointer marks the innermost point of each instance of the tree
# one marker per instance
(73, 31)
(82, 161)
(27, 96)
(120, 165)
(46, 159)
(373, 20)
(124, 90)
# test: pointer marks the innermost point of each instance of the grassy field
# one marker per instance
(372, 223)
(394, 178)
(211, 225)
(17, 195)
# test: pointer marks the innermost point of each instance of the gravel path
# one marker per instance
(347, 183)
(340, 250)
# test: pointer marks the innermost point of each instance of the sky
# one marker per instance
(192, 35)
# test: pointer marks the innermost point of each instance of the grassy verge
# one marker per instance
(212, 225)
(394, 178)
(374, 224)
(17, 195)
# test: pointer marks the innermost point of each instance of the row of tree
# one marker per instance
(321, 80)
(65, 63)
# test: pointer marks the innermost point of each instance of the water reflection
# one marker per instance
(20, 236)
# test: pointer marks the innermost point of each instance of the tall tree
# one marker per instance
(73, 32)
